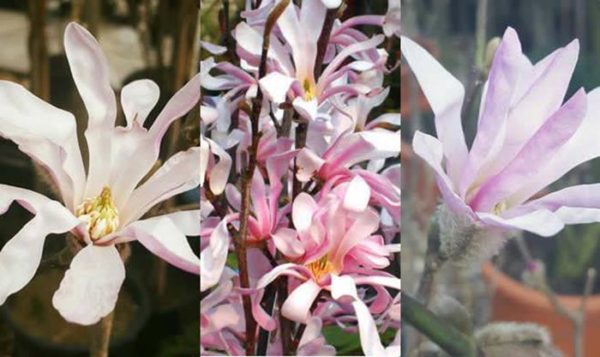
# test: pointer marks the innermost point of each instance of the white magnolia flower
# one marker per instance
(102, 207)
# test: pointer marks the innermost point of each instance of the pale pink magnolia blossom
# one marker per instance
(266, 222)
(300, 29)
(335, 165)
(102, 207)
(333, 238)
(526, 140)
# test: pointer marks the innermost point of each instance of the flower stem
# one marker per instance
(439, 331)
(100, 341)
(240, 243)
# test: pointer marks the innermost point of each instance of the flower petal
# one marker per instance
(275, 86)
(165, 237)
(287, 243)
(541, 222)
(445, 95)
(177, 175)
(540, 149)
(302, 211)
(90, 288)
(47, 134)
(21, 255)
(213, 257)
(357, 195)
(297, 306)
(138, 98)
(180, 104)
(430, 149)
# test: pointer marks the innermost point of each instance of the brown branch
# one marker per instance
(323, 41)
(240, 243)
(100, 341)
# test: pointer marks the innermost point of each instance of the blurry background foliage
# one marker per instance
(157, 313)
(449, 28)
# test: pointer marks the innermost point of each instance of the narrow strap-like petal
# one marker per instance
(21, 255)
(445, 95)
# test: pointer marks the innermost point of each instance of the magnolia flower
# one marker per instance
(333, 239)
(301, 31)
(102, 207)
(526, 139)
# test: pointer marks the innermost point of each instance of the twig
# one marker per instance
(439, 331)
(324, 40)
(240, 243)
(100, 341)
(577, 317)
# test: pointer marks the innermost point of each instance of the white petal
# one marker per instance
(179, 174)
(138, 98)
(90, 288)
(21, 255)
(165, 237)
(45, 133)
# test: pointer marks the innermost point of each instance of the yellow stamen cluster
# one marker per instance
(310, 91)
(101, 214)
(320, 268)
(500, 207)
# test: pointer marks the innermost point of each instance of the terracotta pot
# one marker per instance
(513, 301)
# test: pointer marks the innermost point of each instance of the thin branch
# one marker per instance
(100, 341)
(323, 41)
(240, 243)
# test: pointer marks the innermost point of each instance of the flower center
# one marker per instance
(500, 207)
(309, 90)
(100, 213)
(320, 268)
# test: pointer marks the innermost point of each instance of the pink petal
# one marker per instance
(430, 149)
(365, 224)
(90, 288)
(138, 98)
(581, 147)
(308, 163)
(573, 205)
(21, 255)
(286, 241)
(541, 222)
(180, 104)
(540, 149)
(445, 95)
(297, 306)
(213, 257)
(503, 77)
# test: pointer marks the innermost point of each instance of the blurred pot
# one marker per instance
(514, 301)
(41, 331)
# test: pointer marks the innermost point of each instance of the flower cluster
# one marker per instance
(300, 183)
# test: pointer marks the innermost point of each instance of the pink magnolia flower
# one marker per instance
(526, 139)
(301, 30)
(333, 239)
(102, 207)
